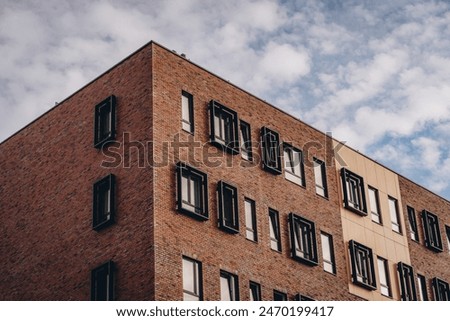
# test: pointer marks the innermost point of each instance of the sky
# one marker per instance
(376, 74)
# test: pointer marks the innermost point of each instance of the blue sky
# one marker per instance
(374, 73)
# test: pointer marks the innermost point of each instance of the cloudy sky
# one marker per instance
(374, 73)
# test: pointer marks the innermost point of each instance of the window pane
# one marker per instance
(383, 274)
(447, 231)
(394, 215)
(225, 289)
(422, 288)
(373, 199)
(328, 261)
(185, 108)
(319, 179)
(250, 220)
(189, 276)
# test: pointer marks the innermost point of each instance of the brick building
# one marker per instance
(161, 181)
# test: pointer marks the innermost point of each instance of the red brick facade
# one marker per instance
(47, 171)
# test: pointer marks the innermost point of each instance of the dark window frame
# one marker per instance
(413, 229)
(233, 282)
(323, 171)
(274, 219)
(377, 205)
(254, 228)
(407, 282)
(189, 122)
(364, 254)
(229, 143)
(100, 217)
(303, 231)
(447, 234)
(198, 277)
(279, 296)
(431, 231)
(441, 289)
(333, 259)
(270, 151)
(388, 284)
(200, 212)
(397, 215)
(246, 143)
(301, 297)
(422, 286)
(290, 174)
(354, 192)
(228, 222)
(255, 290)
(106, 270)
(106, 107)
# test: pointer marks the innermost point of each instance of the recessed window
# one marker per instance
(104, 202)
(250, 220)
(329, 264)
(407, 282)
(228, 207)
(192, 280)
(246, 141)
(187, 112)
(293, 165)
(224, 127)
(279, 296)
(395, 218)
(192, 192)
(320, 177)
(301, 297)
(447, 233)
(255, 291)
(422, 286)
(274, 229)
(441, 290)
(354, 196)
(270, 153)
(414, 232)
(363, 272)
(229, 286)
(105, 121)
(383, 274)
(374, 205)
(303, 239)
(102, 282)
(431, 231)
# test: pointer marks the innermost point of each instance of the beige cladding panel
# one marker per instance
(381, 239)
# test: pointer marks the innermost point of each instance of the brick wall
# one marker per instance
(47, 170)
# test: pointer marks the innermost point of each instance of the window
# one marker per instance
(447, 232)
(192, 280)
(363, 272)
(293, 165)
(192, 192)
(274, 226)
(383, 274)
(279, 296)
(441, 290)
(228, 207)
(303, 239)
(320, 178)
(229, 286)
(224, 127)
(255, 291)
(329, 264)
(431, 231)
(250, 220)
(270, 151)
(301, 297)
(374, 205)
(102, 282)
(246, 141)
(395, 219)
(354, 196)
(105, 121)
(104, 202)
(413, 224)
(407, 282)
(187, 112)
(422, 284)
